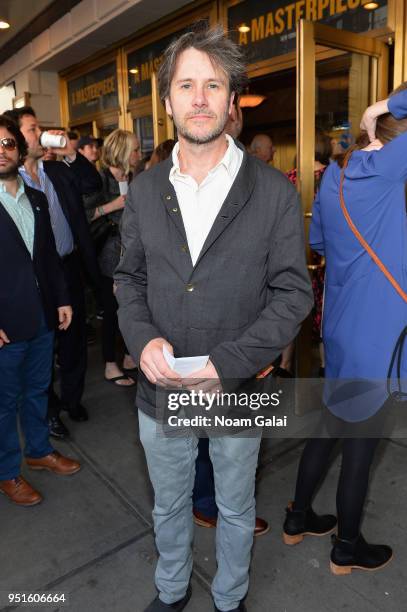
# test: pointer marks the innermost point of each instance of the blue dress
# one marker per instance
(363, 313)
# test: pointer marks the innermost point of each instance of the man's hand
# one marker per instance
(68, 150)
(3, 338)
(206, 380)
(154, 366)
(369, 119)
(64, 317)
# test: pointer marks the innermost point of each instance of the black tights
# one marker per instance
(357, 456)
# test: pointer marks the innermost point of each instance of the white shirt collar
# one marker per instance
(230, 160)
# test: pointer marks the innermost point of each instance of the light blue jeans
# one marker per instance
(171, 466)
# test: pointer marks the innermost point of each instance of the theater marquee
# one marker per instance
(271, 25)
(93, 92)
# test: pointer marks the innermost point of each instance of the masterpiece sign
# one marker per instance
(272, 24)
(143, 62)
(93, 92)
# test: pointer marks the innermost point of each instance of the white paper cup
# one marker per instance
(123, 187)
(52, 140)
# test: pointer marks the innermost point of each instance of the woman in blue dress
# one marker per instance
(363, 318)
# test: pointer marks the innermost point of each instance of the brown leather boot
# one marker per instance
(54, 462)
(20, 492)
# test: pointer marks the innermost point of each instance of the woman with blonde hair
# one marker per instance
(120, 158)
(359, 224)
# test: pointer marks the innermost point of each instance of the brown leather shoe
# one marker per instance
(20, 492)
(55, 462)
(261, 527)
(204, 521)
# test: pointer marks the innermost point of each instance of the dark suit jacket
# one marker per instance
(250, 285)
(66, 187)
(86, 175)
(29, 287)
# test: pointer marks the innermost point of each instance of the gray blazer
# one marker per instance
(246, 296)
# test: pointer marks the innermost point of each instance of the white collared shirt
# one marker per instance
(200, 204)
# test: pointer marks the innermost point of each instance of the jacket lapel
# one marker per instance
(170, 201)
(32, 197)
(235, 201)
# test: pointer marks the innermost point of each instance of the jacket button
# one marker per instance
(174, 209)
(184, 248)
(168, 197)
(190, 287)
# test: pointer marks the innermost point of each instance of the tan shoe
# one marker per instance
(20, 492)
(55, 462)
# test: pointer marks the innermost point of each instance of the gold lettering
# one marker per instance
(242, 38)
(257, 29)
(290, 10)
(322, 4)
(299, 10)
(269, 25)
(340, 8)
(279, 17)
(93, 91)
(352, 4)
(311, 10)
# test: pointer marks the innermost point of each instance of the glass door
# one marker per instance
(338, 75)
(163, 126)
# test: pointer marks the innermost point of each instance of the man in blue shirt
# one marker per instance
(33, 293)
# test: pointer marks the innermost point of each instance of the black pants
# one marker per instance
(357, 457)
(110, 325)
(71, 345)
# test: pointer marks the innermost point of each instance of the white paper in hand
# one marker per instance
(123, 187)
(185, 366)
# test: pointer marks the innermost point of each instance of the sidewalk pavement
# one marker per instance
(92, 539)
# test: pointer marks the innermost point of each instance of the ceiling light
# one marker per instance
(244, 28)
(371, 6)
(250, 100)
(133, 70)
(4, 17)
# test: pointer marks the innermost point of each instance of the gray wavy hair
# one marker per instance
(222, 51)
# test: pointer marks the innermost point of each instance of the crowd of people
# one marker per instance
(162, 245)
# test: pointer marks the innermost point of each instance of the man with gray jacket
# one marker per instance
(212, 264)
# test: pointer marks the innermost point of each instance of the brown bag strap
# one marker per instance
(363, 242)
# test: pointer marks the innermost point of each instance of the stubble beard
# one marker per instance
(10, 173)
(205, 139)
